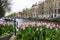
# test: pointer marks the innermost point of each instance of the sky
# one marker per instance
(19, 5)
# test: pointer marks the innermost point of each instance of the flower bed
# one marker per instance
(38, 31)
(6, 31)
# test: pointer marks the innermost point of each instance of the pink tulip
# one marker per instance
(43, 23)
(56, 29)
(41, 29)
(25, 24)
(47, 26)
(50, 27)
(23, 27)
(38, 24)
(57, 25)
(8, 23)
(54, 25)
(4, 23)
(32, 24)
(37, 29)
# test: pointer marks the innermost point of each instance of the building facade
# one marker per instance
(53, 8)
(34, 10)
(49, 9)
(40, 10)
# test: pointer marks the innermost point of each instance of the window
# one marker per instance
(55, 5)
(58, 10)
(59, 4)
(55, 15)
(55, 10)
(42, 13)
(49, 12)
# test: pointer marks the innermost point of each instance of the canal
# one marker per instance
(21, 21)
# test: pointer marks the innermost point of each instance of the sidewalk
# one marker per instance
(12, 38)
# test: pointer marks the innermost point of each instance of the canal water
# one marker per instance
(21, 21)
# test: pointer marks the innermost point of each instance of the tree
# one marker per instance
(4, 7)
(27, 12)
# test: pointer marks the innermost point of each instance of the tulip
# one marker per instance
(38, 24)
(37, 29)
(23, 27)
(41, 29)
(32, 24)
(50, 27)
(57, 25)
(47, 26)
(53, 25)
(56, 29)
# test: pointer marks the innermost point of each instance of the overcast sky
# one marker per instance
(19, 5)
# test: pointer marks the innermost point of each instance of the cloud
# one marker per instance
(18, 5)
